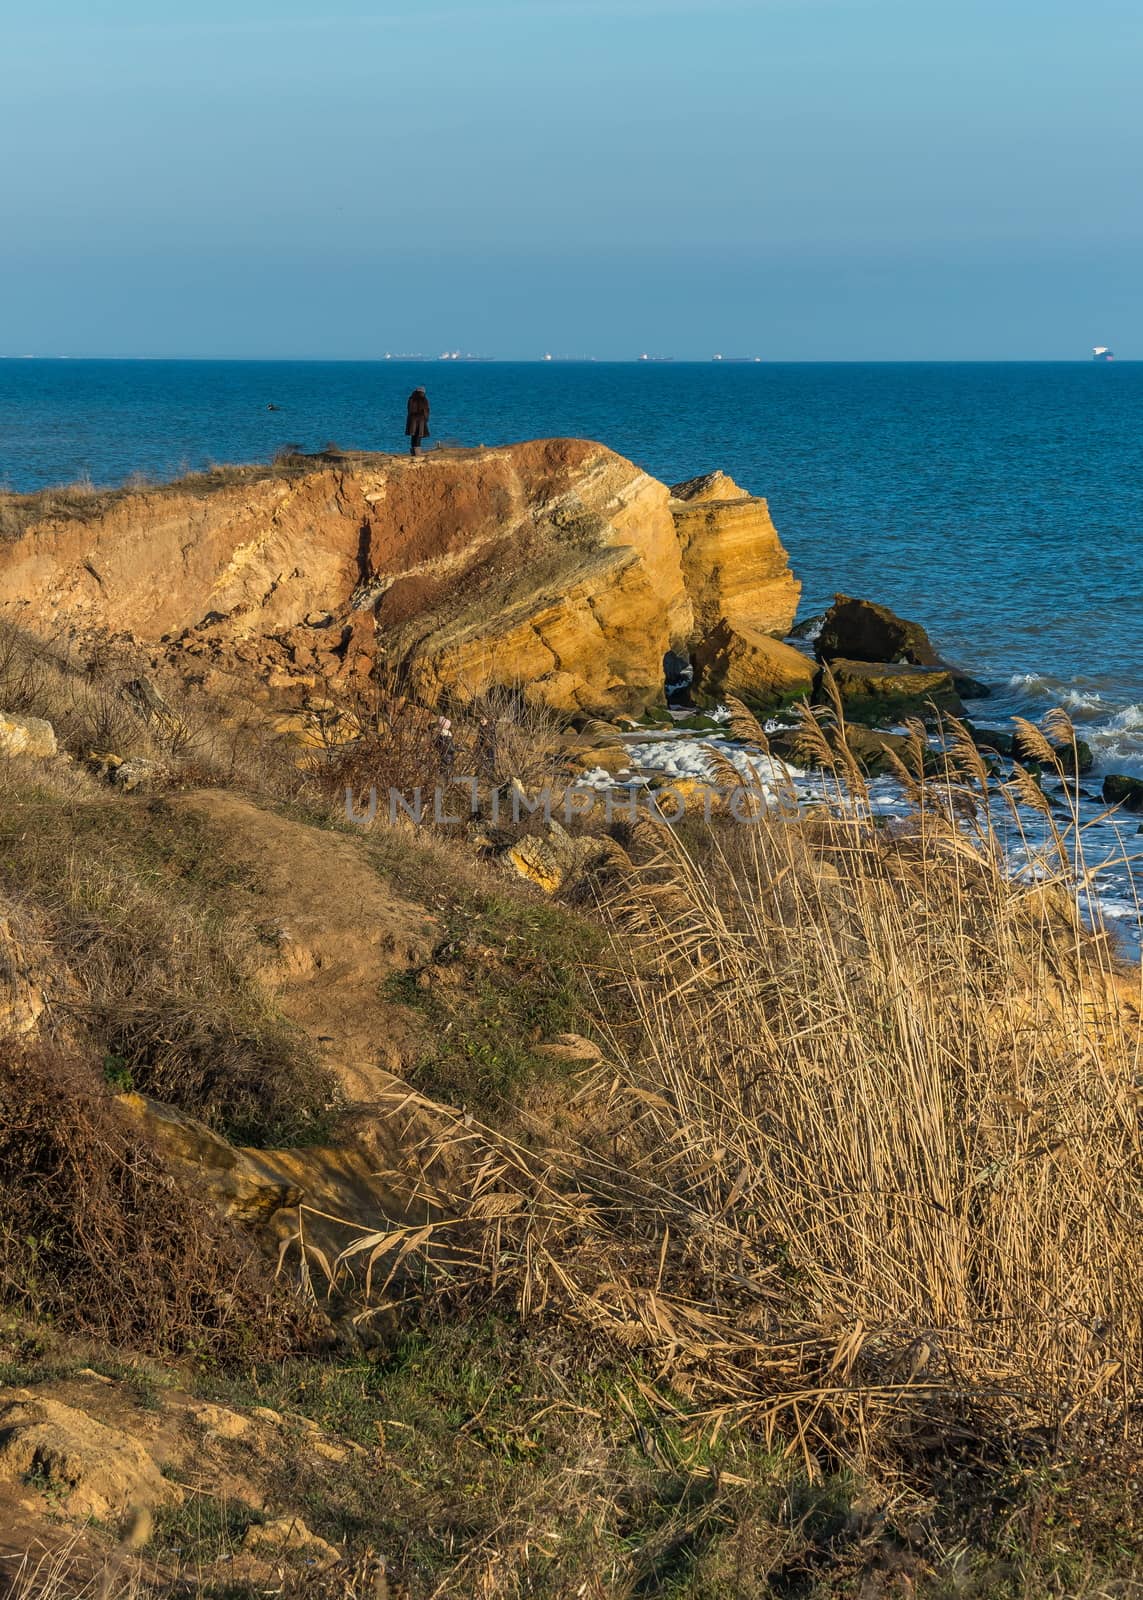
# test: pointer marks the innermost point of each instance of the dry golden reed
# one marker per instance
(872, 1152)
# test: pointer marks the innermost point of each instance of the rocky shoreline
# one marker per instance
(372, 1169)
(553, 569)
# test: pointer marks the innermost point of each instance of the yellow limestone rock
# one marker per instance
(740, 660)
(534, 859)
(93, 1470)
(734, 564)
(551, 565)
(26, 736)
(689, 797)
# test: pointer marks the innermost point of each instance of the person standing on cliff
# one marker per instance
(417, 420)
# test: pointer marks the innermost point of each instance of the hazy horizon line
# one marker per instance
(597, 361)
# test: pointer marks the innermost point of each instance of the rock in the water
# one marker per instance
(735, 566)
(885, 691)
(809, 627)
(26, 736)
(969, 688)
(861, 630)
(762, 671)
(91, 1469)
(1121, 790)
(995, 740)
(1072, 761)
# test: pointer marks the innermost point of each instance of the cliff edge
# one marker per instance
(556, 566)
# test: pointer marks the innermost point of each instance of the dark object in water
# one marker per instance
(862, 630)
(1120, 790)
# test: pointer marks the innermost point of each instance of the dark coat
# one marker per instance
(417, 417)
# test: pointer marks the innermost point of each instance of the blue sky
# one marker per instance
(799, 179)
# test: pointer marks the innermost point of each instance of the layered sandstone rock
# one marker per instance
(552, 565)
(734, 564)
(759, 669)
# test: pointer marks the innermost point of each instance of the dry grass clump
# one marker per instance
(873, 1167)
(80, 499)
(100, 703)
(97, 1236)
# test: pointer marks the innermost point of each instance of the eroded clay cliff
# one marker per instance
(556, 565)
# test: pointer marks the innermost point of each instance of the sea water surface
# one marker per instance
(999, 504)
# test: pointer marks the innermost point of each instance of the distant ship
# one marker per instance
(1100, 352)
(646, 357)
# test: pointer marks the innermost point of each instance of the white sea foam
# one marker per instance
(1034, 686)
(1127, 721)
(1113, 850)
(1117, 742)
(691, 758)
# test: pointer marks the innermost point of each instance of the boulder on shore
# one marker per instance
(885, 691)
(760, 670)
(870, 746)
(993, 741)
(862, 630)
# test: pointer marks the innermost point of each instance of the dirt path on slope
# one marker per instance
(333, 934)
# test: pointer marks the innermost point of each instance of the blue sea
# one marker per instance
(999, 504)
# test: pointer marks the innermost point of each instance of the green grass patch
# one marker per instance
(509, 972)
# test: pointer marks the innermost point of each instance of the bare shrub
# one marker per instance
(97, 1235)
(385, 740)
(506, 735)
